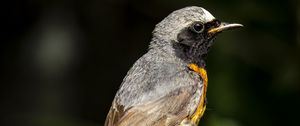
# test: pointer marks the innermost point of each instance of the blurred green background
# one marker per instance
(62, 61)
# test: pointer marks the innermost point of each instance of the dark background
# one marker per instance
(62, 61)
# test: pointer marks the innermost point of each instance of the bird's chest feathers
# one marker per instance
(195, 118)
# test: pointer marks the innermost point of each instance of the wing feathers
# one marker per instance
(166, 111)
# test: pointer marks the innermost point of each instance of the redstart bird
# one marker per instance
(167, 85)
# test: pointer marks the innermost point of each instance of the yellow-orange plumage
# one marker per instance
(195, 118)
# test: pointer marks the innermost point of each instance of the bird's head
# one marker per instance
(190, 30)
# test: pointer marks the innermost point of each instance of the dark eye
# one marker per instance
(198, 27)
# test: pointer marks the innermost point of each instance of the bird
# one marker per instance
(167, 85)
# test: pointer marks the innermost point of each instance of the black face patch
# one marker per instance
(188, 37)
(212, 24)
(194, 44)
(197, 33)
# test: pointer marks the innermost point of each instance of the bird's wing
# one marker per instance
(155, 93)
(169, 110)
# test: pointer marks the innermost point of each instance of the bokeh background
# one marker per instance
(62, 61)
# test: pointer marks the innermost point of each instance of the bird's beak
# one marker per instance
(224, 26)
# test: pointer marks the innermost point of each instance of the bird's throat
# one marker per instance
(197, 54)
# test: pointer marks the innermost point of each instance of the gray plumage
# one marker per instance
(159, 89)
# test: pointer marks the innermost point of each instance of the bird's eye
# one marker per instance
(198, 27)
